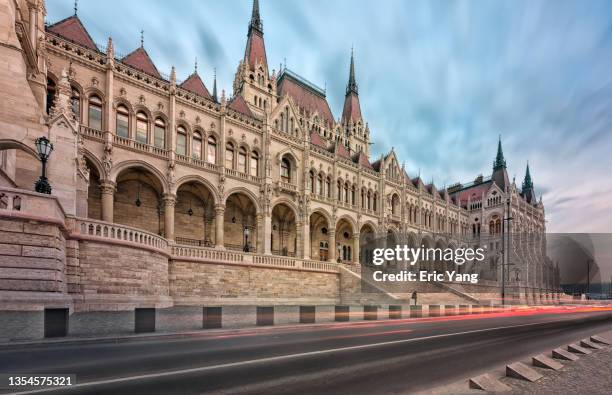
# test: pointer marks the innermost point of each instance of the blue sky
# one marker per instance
(438, 80)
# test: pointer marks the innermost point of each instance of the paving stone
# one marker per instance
(543, 361)
(559, 353)
(521, 371)
(589, 344)
(577, 349)
(487, 382)
(601, 340)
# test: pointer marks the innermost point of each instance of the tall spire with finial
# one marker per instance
(500, 162)
(141, 38)
(352, 83)
(76, 7)
(214, 93)
(195, 68)
(527, 183)
(255, 17)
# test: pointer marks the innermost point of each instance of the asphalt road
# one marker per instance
(398, 356)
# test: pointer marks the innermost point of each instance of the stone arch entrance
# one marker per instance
(320, 237)
(367, 237)
(346, 240)
(240, 223)
(283, 237)
(194, 215)
(138, 200)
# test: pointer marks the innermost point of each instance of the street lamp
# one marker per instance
(505, 251)
(246, 239)
(44, 148)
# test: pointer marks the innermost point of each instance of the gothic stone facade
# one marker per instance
(166, 193)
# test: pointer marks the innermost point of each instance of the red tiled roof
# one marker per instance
(194, 84)
(305, 98)
(351, 110)
(140, 60)
(239, 105)
(361, 159)
(255, 49)
(317, 140)
(72, 29)
(341, 151)
(474, 193)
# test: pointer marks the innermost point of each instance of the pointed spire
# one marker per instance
(214, 94)
(352, 84)
(527, 183)
(173, 76)
(76, 7)
(255, 17)
(500, 162)
(141, 38)
(195, 68)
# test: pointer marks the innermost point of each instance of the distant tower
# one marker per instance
(500, 174)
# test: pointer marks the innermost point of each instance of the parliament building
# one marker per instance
(171, 196)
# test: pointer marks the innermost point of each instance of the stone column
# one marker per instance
(219, 223)
(33, 13)
(169, 202)
(332, 244)
(356, 247)
(267, 224)
(306, 238)
(261, 236)
(107, 191)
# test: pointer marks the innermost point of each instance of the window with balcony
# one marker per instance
(212, 150)
(242, 159)
(196, 146)
(160, 133)
(181, 141)
(285, 170)
(255, 164)
(95, 112)
(122, 121)
(142, 127)
(229, 156)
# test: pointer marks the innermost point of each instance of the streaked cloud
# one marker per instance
(439, 80)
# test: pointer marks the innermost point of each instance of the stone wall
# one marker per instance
(120, 277)
(204, 283)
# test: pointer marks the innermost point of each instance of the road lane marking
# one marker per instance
(268, 359)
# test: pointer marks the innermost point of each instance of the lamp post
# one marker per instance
(505, 251)
(44, 148)
(246, 239)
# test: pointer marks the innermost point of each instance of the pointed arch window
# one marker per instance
(255, 164)
(286, 170)
(181, 141)
(313, 188)
(374, 201)
(95, 112)
(51, 88)
(242, 159)
(320, 185)
(328, 187)
(122, 121)
(212, 150)
(229, 156)
(346, 193)
(142, 127)
(75, 101)
(159, 133)
(196, 146)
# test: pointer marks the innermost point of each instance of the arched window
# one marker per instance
(320, 185)
(160, 133)
(75, 101)
(212, 150)
(242, 158)
(312, 182)
(346, 192)
(328, 187)
(229, 156)
(95, 112)
(122, 121)
(142, 127)
(254, 164)
(374, 201)
(363, 201)
(339, 197)
(196, 146)
(369, 203)
(285, 170)
(181, 141)
(353, 195)
(50, 93)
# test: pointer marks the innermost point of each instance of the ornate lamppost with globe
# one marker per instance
(44, 148)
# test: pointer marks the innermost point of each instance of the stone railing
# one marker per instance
(138, 146)
(287, 186)
(92, 133)
(243, 176)
(19, 203)
(196, 162)
(213, 255)
(89, 228)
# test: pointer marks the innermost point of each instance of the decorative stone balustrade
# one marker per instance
(93, 229)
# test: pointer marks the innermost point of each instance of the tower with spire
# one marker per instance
(527, 189)
(355, 133)
(253, 81)
(500, 174)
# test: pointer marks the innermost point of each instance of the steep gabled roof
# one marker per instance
(316, 139)
(239, 105)
(255, 51)
(352, 109)
(376, 165)
(361, 159)
(341, 151)
(140, 60)
(194, 84)
(73, 30)
(473, 192)
(306, 95)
